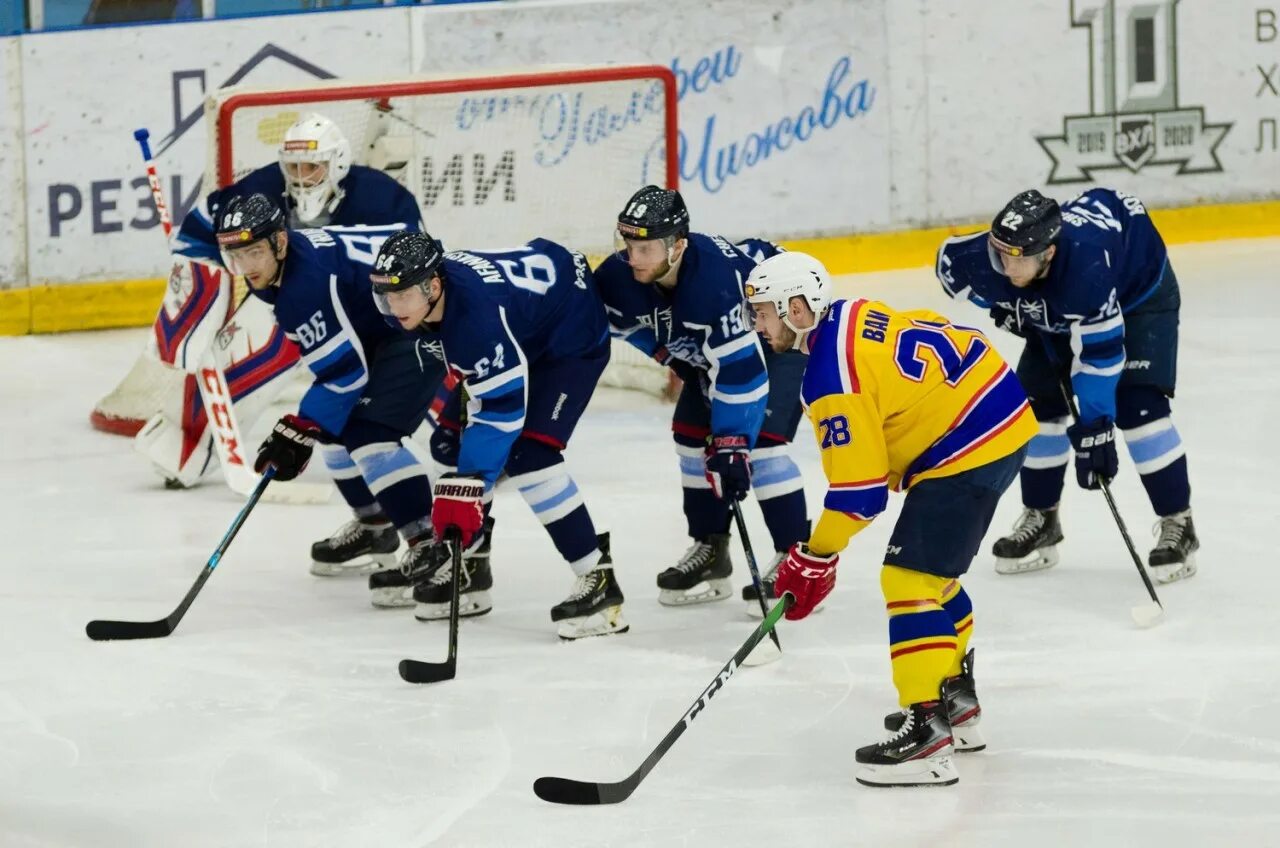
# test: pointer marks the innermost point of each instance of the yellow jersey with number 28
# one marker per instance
(900, 397)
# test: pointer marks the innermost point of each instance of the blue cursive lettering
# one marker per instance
(711, 163)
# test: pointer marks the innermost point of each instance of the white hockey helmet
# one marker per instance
(315, 157)
(786, 275)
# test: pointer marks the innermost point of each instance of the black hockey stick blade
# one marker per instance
(105, 631)
(102, 631)
(417, 671)
(564, 790)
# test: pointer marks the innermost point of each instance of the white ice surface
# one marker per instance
(274, 715)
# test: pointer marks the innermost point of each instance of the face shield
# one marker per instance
(407, 306)
(256, 261)
(1013, 262)
(650, 259)
(308, 177)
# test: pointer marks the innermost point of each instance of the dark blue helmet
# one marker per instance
(243, 220)
(406, 260)
(654, 213)
(1027, 225)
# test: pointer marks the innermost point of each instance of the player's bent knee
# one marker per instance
(905, 585)
(529, 455)
(1139, 405)
(1049, 408)
(359, 433)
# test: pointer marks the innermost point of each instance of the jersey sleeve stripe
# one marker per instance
(862, 504)
(821, 375)
(844, 342)
(499, 384)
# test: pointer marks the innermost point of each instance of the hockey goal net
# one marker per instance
(493, 159)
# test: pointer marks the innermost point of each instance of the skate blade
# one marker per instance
(1173, 573)
(967, 738)
(701, 593)
(604, 623)
(393, 597)
(356, 568)
(930, 771)
(1038, 561)
(470, 604)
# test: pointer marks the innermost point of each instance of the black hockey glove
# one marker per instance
(728, 467)
(1008, 320)
(288, 447)
(1095, 447)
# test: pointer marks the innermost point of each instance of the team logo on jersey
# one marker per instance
(1134, 117)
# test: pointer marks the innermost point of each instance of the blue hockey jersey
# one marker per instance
(371, 197)
(700, 322)
(324, 303)
(1109, 260)
(505, 312)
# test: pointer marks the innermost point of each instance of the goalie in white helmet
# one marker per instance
(317, 184)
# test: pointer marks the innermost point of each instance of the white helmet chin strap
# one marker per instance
(800, 332)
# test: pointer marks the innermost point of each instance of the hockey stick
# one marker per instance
(563, 790)
(761, 658)
(1144, 615)
(418, 671)
(211, 381)
(157, 194)
(104, 630)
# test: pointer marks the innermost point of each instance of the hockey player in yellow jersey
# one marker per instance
(910, 402)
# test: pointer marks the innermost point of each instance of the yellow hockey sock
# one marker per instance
(955, 600)
(922, 636)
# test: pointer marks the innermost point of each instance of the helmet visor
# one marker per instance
(252, 261)
(408, 306)
(642, 252)
(1011, 261)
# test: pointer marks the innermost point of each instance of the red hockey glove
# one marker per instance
(458, 503)
(807, 576)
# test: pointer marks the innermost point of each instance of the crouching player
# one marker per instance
(910, 402)
(525, 331)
